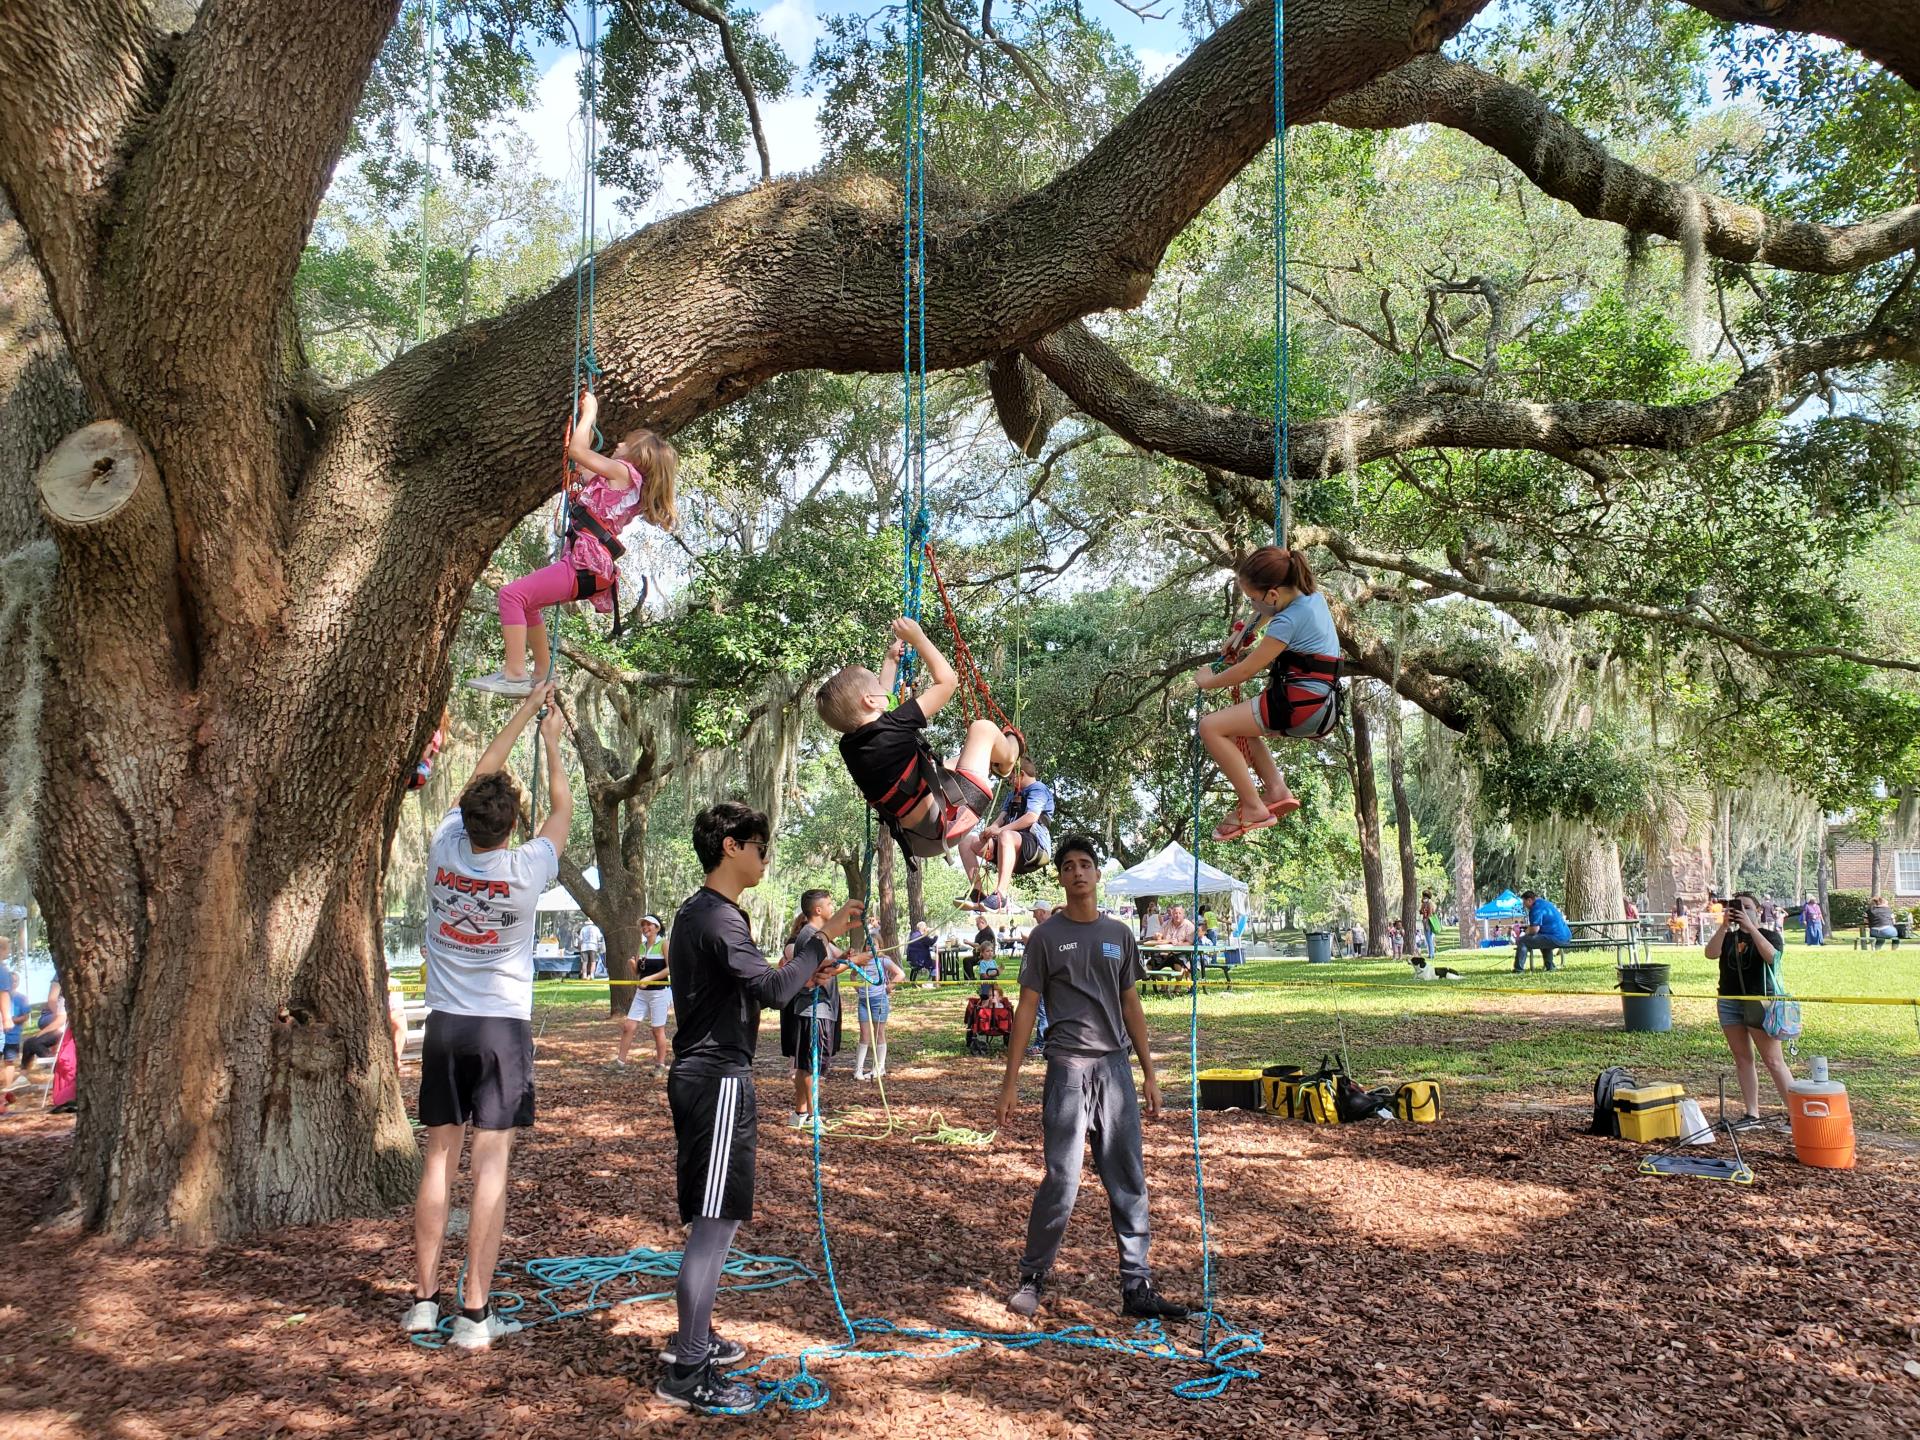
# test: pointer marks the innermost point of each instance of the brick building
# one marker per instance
(1899, 877)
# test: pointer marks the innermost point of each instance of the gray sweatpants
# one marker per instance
(1090, 1097)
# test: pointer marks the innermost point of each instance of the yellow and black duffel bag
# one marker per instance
(1418, 1100)
(1317, 1101)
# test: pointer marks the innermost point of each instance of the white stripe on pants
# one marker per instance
(725, 1109)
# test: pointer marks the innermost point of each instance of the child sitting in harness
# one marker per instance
(927, 806)
(636, 479)
(1300, 655)
(989, 1019)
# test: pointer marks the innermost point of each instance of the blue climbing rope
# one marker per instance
(1282, 458)
(915, 517)
(556, 1284)
(1193, 1050)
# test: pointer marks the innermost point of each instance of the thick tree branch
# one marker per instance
(716, 16)
(1100, 382)
(1572, 166)
(701, 307)
(1882, 30)
(1522, 597)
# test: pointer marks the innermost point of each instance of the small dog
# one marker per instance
(1423, 971)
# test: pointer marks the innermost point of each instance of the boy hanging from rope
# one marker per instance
(928, 807)
(635, 479)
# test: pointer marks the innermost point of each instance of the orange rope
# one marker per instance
(973, 682)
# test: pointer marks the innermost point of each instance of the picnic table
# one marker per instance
(1620, 936)
(1157, 957)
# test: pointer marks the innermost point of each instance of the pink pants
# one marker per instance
(523, 600)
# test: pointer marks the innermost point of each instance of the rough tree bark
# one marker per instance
(1594, 890)
(1366, 810)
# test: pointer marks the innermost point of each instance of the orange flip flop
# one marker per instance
(1280, 809)
(1234, 828)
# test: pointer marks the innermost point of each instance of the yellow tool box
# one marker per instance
(1649, 1112)
(1229, 1089)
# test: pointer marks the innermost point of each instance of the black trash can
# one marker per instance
(1319, 947)
(1646, 1000)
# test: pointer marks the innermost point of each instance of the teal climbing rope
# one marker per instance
(1282, 456)
(915, 516)
(1194, 961)
(566, 1287)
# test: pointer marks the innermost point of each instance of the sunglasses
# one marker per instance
(765, 847)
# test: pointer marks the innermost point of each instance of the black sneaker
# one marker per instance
(1025, 1301)
(1746, 1123)
(720, 1351)
(1142, 1302)
(700, 1388)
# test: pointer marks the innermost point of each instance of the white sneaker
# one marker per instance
(479, 1334)
(797, 1121)
(423, 1317)
(861, 1075)
(499, 682)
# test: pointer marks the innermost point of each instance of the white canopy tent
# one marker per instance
(1170, 874)
(560, 898)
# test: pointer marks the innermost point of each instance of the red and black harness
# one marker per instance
(1304, 713)
(586, 583)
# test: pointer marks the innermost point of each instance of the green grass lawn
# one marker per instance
(1494, 1034)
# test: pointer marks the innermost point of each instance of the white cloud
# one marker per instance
(794, 25)
(1154, 64)
(793, 133)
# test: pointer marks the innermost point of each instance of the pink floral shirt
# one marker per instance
(614, 508)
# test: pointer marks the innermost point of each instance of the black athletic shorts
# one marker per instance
(1032, 856)
(715, 1132)
(477, 1068)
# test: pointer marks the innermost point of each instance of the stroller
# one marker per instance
(989, 1020)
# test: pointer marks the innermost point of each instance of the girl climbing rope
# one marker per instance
(635, 479)
(1300, 654)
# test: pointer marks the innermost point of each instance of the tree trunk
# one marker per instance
(1366, 810)
(1403, 824)
(1823, 867)
(1465, 898)
(1594, 890)
(850, 868)
(916, 897)
(1873, 868)
(889, 931)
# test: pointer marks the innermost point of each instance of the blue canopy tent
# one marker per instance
(1504, 906)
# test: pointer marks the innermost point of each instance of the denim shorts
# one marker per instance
(875, 1005)
(1734, 1012)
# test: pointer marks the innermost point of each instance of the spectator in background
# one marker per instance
(1745, 949)
(1176, 929)
(592, 945)
(1426, 922)
(985, 943)
(1770, 914)
(1633, 910)
(920, 948)
(46, 1039)
(1148, 914)
(1814, 921)
(652, 1001)
(1880, 922)
(1546, 932)
(1716, 916)
(1677, 924)
(12, 988)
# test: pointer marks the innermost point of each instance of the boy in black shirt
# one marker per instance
(927, 806)
(721, 982)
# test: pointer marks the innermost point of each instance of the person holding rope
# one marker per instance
(1086, 969)
(635, 479)
(721, 983)
(476, 1062)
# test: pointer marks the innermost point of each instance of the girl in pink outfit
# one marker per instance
(607, 493)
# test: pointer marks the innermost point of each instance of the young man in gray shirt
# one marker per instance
(1085, 967)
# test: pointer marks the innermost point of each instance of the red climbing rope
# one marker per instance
(973, 682)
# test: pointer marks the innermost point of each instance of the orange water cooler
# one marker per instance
(1822, 1124)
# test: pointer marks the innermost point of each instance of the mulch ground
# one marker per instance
(1496, 1274)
